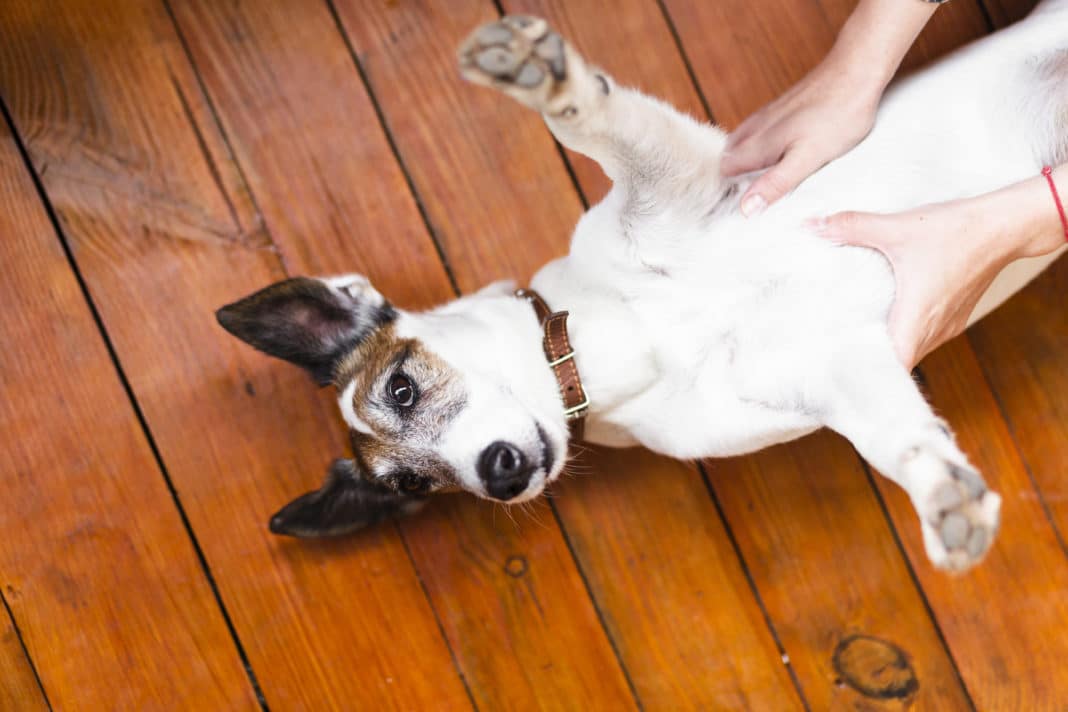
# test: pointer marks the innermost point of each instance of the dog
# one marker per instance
(696, 332)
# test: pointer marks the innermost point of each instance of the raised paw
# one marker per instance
(960, 517)
(520, 56)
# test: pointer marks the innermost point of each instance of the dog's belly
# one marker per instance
(686, 428)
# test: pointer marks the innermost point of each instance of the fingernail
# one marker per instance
(754, 205)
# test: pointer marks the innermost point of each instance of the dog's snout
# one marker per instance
(504, 470)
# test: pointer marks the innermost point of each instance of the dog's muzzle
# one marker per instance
(504, 471)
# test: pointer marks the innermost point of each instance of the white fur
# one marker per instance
(700, 333)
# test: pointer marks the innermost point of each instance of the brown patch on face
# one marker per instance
(401, 451)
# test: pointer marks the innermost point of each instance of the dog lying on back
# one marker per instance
(696, 332)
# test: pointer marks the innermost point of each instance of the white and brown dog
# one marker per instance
(697, 332)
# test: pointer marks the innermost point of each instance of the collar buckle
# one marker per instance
(561, 359)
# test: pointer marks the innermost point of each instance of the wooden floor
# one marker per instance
(161, 158)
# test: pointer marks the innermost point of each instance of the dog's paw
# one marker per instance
(959, 514)
(520, 56)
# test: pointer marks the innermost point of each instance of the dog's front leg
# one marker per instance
(655, 154)
(873, 401)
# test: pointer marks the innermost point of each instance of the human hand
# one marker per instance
(818, 119)
(946, 255)
(831, 109)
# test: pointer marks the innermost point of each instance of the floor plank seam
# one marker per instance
(596, 608)
(1004, 413)
(563, 529)
(501, 12)
(437, 617)
(25, 650)
(753, 588)
(991, 26)
(915, 580)
(726, 525)
(709, 116)
(136, 407)
(453, 284)
(216, 119)
(394, 149)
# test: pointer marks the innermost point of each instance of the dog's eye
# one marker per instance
(413, 483)
(401, 391)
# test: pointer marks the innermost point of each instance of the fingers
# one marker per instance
(853, 228)
(796, 165)
(745, 156)
(906, 324)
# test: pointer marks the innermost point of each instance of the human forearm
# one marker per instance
(876, 37)
(1024, 216)
(831, 109)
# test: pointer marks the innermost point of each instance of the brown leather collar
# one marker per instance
(561, 358)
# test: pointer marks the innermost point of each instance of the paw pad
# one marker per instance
(964, 518)
(520, 55)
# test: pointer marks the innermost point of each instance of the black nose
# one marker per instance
(504, 470)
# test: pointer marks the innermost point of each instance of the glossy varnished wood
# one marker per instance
(776, 496)
(94, 561)
(1006, 620)
(197, 150)
(332, 211)
(750, 54)
(642, 521)
(1021, 348)
(828, 569)
(18, 686)
(164, 232)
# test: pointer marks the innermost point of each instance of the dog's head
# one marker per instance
(457, 398)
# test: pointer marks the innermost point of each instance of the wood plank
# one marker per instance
(668, 581)
(811, 634)
(95, 562)
(1006, 12)
(18, 685)
(750, 54)
(619, 535)
(165, 232)
(1012, 677)
(1007, 620)
(819, 472)
(828, 570)
(1021, 347)
(520, 641)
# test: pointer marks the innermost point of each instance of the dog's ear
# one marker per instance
(310, 322)
(346, 502)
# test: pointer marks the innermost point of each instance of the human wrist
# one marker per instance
(1026, 217)
(875, 38)
(854, 63)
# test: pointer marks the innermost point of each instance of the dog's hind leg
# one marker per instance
(657, 155)
(874, 402)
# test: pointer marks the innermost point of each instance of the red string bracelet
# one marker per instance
(1048, 172)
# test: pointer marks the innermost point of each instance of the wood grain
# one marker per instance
(1021, 347)
(164, 231)
(18, 686)
(749, 55)
(828, 568)
(509, 153)
(646, 515)
(498, 156)
(1006, 621)
(668, 581)
(770, 50)
(89, 536)
(519, 642)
